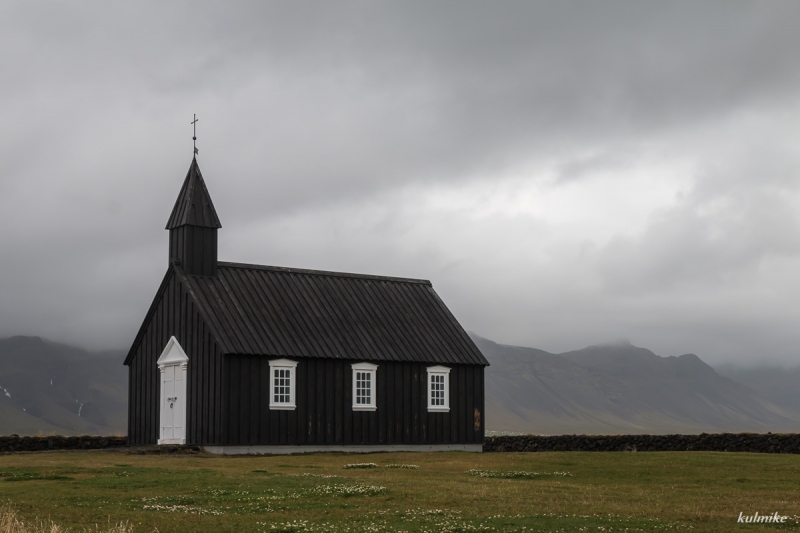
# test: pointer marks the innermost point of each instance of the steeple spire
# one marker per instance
(193, 226)
(194, 206)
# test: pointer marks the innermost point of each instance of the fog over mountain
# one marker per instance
(620, 388)
(779, 385)
(50, 388)
(562, 171)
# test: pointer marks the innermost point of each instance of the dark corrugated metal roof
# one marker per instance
(289, 312)
(194, 206)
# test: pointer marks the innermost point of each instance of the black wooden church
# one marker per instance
(243, 358)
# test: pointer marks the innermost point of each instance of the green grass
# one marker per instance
(603, 492)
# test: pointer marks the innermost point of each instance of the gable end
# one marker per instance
(150, 312)
(173, 272)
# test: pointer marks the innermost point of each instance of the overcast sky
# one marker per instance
(564, 173)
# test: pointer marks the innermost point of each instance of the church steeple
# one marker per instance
(193, 227)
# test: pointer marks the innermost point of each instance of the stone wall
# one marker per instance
(15, 443)
(715, 442)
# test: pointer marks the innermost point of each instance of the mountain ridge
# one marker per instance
(618, 388)
(607, 388)
(49, 388)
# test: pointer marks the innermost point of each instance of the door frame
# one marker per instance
(173, 356)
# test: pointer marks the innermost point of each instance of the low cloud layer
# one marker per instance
(565, 173)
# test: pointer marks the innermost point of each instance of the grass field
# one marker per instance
(570, 491)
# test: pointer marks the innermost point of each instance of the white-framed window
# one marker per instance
(438, 388)
(282, 384)
(364, 387)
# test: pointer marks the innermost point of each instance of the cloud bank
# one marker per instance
(565, 173)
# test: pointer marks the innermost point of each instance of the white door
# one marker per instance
(173, 404)
(179, 410)
(167, 405)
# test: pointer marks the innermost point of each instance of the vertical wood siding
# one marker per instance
(195, 248)
(324, 413)
(175, 314)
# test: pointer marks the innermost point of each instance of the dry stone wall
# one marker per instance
(15, 443)
(713, 442)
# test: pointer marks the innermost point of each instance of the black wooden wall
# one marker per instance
(228, 395)
(195, 248)
(175, 314)
(324, 413)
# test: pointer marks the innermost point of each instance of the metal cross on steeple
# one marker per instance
(194, 133)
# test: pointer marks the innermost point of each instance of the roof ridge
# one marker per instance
(327, 273)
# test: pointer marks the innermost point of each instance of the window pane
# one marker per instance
(437, 390)
(363, 381)
(282, 385)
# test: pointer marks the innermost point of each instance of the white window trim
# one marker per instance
(439, 371)
(282, 364)
(372, 369)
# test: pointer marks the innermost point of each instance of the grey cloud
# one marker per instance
(739, 215)
(308, 108)
(438, 88)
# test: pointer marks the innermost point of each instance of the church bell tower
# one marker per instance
(193, 227)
